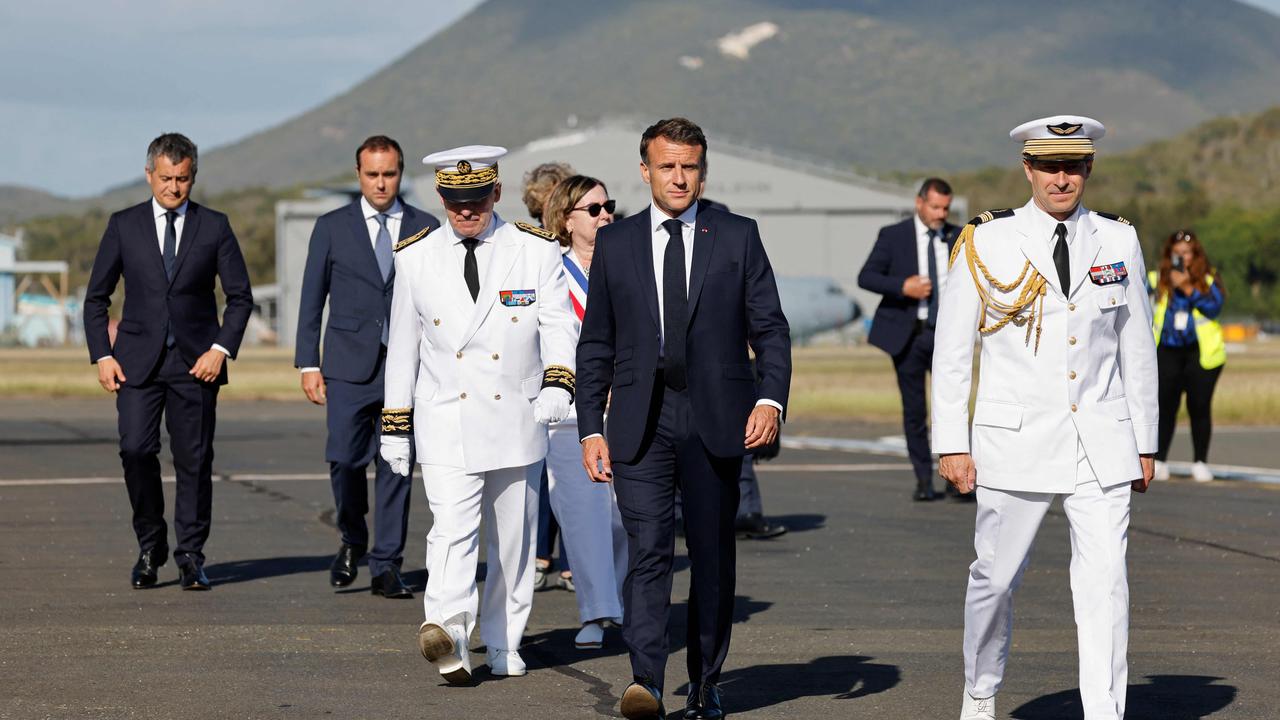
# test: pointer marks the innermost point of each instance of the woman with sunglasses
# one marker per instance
(590, 524)
(1190, 351)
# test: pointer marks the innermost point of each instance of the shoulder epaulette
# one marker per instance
(535, 230)
(1111, 216)
(412, 239)
(990, 215)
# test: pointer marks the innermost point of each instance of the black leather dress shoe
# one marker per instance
(924, 493)
(641, 701)
(342, 571)
(755, 526)
(144, 571)
(390, 585)
(703, 703)
(191, 576)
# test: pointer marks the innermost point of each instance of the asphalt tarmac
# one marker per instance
(855, 613)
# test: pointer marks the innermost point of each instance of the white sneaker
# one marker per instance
(505, 662)
(978, 708)
(1200, 472)
(1162, 470)
(445, 648)
(590, 637)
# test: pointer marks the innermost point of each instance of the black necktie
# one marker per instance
(1062, 258)
(675, 308)
(470, 272)
(931, 251)
(170, 243)
(170, 254)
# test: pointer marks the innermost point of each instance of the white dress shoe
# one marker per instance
(978, 708)
(446, 648)
(505, 662)
(590, 637)
(1200, 472)
(1162, 470)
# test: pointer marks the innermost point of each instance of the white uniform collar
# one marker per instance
(485, 235)
(1043, 224)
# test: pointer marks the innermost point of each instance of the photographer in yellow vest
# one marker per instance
(1190, 351)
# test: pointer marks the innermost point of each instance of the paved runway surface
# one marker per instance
(856, 613)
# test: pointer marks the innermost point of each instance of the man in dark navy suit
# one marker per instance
(677, 296)
(350, 263)
(908, 266)
(169, 356)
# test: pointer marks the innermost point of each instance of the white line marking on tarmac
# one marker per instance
(831, 467)
(169, 479)
(895, 445)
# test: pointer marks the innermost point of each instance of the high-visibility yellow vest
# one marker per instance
(1213, 350)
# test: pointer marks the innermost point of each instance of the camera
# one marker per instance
(1178, 263)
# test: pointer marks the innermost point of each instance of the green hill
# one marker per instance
(876, 84)
(1220, 179)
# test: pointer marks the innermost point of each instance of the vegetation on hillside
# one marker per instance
(74, 237)
(1219, 179)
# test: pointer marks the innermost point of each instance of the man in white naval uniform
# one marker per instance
(1066, 406)
(480, 358)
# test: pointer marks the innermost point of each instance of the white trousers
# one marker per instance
(507, 501)
(1006, 528)
(590, 525)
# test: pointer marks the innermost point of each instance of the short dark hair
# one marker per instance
(174, 146)
(938, 185)
(677, 130)
(380, 143)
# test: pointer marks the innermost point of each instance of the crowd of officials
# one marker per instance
(486, 353)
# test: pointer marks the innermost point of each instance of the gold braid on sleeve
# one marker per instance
(397, 421)
(561, 377)
(1030, 298)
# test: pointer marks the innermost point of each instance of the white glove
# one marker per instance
(551, 405)
(395, 450)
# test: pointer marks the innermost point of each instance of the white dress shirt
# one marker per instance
(162, 224)
(660, 237)
(394, 215)
(940, 256)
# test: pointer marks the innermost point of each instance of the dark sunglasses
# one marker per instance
(594, 208)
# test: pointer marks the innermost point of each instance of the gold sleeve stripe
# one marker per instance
(397, 421)
(561, 377)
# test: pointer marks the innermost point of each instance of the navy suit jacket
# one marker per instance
(891, 262)
(733, 303)
(341, 266)
(130, 249)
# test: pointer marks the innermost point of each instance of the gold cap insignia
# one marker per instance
(464, 166)
(1064, 128)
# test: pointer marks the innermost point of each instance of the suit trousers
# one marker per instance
(507, 501)
(910, 365)
(1006, 527)
(590, 527)
(673, 458)
(188, 407)
(353, 412)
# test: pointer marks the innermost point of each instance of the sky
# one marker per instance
(76, 113)
(88, 83)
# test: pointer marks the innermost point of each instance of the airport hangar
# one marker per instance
(816, 221)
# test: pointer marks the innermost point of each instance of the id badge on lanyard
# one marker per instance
(1180, 319)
